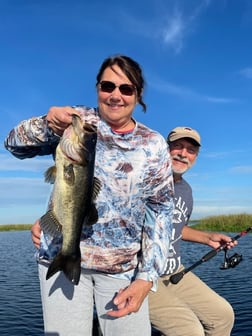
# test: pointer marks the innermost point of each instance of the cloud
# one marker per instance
(219, 100)
(223, 154)
(241, 169)
(187, 93)
(179, 25)
(168, 22)
(23, 200)
(23, 190)
(247, 73)
(9, 163)
(173, 32)
(216, 155)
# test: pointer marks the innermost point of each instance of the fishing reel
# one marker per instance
(231, 262)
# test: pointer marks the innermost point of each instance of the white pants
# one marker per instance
(68, 309)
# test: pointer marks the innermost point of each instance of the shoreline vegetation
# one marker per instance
(221, 223)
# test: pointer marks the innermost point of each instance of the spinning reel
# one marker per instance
(230, 262)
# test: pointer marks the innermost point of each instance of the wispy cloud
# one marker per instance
(179, 25)
(173, 33)
(23, 200)
(223, 154)
(10, 163)
(216, 155)
(187, 93)
(246, 72)
(23, 190)
(170, 22)
(219, 100)
(241, 169)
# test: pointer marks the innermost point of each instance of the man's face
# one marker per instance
(183, 155)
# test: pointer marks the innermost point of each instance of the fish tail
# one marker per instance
(69, 264)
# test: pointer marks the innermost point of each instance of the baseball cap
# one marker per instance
(184, 132)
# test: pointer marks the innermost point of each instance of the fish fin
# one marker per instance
(50, 224)
(96, 187)
(50, 174)
(69, 264)
(69, 176)
(93, 215)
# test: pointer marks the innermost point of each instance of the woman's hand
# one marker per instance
(130, 299)
(59, 118)
(35, 234)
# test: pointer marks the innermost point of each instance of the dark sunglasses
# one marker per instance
(125, 89)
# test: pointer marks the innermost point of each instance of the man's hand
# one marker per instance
(35, 234)
(218, 239)
(129, 299)
(59, 118)
(212, 239)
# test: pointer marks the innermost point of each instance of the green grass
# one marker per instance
(223, 223)
(15, 227)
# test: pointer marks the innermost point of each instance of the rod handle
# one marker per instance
(209, 255)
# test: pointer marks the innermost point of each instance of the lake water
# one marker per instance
(20, 304)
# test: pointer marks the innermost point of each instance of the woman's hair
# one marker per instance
(131, 69)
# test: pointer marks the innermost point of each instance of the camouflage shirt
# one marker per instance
(135, 204)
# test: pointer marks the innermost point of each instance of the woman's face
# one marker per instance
(115, 107)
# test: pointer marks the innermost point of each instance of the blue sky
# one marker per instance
(197, 60)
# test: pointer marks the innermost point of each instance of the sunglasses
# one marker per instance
(125, 89)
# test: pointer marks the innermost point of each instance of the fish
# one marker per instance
(75, 188)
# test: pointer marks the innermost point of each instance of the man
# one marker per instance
(189, 308)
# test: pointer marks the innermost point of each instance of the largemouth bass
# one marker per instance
(75, 188)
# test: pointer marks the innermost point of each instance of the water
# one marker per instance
(234, 284)
(20, 304)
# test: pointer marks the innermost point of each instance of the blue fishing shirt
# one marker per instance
(131, 238)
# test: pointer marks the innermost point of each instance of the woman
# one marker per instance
(125, 251)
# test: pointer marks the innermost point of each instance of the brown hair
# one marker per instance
(131, 69)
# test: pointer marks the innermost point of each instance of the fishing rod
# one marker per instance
(175, 278)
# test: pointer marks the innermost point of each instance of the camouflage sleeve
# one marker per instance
(158, 219)
(30, 138)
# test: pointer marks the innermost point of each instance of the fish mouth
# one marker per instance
(73, 161)
(72, 145)
(70, 151)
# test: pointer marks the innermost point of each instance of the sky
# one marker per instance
(196, 58)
